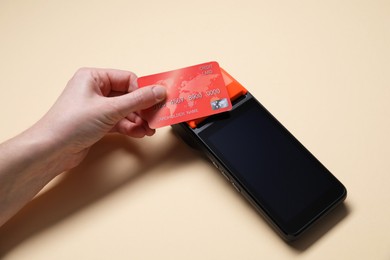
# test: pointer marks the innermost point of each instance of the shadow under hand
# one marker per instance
(89, 182)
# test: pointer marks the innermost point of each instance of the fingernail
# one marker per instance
(159, 92)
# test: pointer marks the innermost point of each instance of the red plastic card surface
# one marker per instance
(193, 92)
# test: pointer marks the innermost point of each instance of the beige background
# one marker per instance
(321, 67)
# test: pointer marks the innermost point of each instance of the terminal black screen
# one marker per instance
(283, 178)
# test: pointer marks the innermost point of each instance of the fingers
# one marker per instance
(117, 96)
(134, 126)
(119, 80)
(139, 99)
(110, 80)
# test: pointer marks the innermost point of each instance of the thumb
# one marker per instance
(139, 99)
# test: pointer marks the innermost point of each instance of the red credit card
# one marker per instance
(192, 92)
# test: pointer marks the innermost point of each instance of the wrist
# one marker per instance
(33, 155)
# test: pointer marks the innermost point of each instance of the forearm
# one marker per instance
(27, 163)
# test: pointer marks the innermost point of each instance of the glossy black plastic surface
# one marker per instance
(268, 165)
